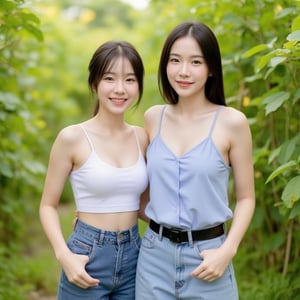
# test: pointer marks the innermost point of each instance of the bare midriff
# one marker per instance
(110, 221)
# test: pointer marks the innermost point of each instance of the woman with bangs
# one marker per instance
(103, 157)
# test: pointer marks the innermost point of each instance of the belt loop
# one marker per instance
(131, 234)
(160, 232)
(190, 238)
(101, 237)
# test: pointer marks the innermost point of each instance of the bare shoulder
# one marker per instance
(151, 119)
(70, 135)
(233, 118)
(152, 116)
(153, 112)
(235, 126)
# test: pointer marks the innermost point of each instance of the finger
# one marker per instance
(92, 281)
(198, 270)
(85, 281)
(210, 275)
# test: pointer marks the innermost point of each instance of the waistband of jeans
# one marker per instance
(178, 235)
(94, 234)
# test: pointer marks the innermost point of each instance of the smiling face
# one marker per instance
(118, 88)
(187, 70)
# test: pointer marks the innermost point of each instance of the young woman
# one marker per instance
(104, 160)
(195, 141)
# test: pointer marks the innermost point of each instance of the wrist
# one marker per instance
(229, 249)
(61, 253)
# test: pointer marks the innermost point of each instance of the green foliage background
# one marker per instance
(45, 47)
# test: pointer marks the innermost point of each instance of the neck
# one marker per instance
(193, 106)
(109, 123)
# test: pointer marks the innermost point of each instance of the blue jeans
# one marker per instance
(112, 260)
(164, 267)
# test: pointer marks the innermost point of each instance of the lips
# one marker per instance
(118, 101)
(184, 84)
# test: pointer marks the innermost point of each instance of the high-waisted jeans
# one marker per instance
(112, 260)
(164, 267)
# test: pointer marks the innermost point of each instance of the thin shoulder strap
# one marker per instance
(87, 136)
(215, 119)
(137, 138)
(160, 119)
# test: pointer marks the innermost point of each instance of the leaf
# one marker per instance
(281, 169)
(263, 61)
(296, 23)
(274, 153)
(7, 5)
(254, 50)
(276, 61)
(287, 149)
(285, 12)
(6, 169)
(10, 101)
(34, 31)
(34, 167)
(291, 192)
(295, 210)
(296, 96)
(290, 44)
(294, 36)
(29, 17)
(273, 241)
(274, 101)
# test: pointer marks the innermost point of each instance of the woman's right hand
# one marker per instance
(74, 268)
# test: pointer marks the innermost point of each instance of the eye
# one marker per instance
(196, 62)
(173, 60)
(131, 79)
(108, 78)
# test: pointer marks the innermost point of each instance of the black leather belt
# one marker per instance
(177, 236)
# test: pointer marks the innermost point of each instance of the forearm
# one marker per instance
(143, 217)
(51, 225)
(241, 220)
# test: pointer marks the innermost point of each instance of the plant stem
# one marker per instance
(288, 247)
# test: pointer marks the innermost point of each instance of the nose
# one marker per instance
(119, 87)
(184, 70)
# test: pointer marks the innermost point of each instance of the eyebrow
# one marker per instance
(114, 73)
(193, 56)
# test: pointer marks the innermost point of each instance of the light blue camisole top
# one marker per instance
(190, 191)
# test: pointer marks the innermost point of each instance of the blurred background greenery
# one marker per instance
(45, 47)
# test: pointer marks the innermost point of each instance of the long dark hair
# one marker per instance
(105, 55)
(203, 35)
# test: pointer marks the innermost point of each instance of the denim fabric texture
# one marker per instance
(164, 268)
(112, 260)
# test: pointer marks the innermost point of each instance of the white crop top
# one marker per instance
(99, 187)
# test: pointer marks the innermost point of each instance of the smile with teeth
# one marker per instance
(118, 100)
